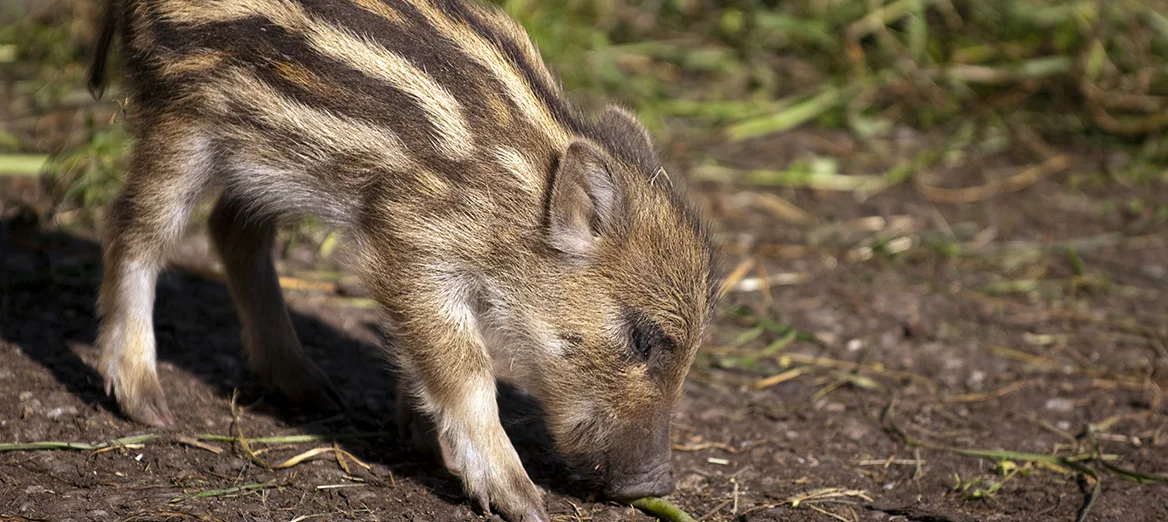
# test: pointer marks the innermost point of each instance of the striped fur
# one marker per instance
(505, 233)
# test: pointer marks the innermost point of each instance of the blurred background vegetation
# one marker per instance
(979, 76)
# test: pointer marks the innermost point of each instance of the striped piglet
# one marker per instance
(504, 233)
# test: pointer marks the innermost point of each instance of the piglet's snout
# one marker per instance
(639, 466)
(656, 482)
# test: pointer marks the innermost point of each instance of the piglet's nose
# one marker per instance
(657, 484)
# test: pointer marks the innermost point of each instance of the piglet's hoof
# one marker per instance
(304, 385)
(534, 514)
(140, 399)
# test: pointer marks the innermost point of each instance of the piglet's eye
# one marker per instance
(645, 337)
(642, 342)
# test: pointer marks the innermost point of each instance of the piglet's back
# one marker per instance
(451, 87)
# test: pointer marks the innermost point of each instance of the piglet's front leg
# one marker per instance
(446, 373)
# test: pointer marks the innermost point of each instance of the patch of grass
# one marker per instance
(1084, 453)
(90, 176)
(748, 69)
(986, 488)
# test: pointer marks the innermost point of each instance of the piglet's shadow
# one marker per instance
(48, 285)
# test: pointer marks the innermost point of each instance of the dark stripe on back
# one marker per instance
(558, 106)
(422, 46)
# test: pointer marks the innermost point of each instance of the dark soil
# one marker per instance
(1013, 347)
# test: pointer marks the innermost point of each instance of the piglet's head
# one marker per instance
(632, 293)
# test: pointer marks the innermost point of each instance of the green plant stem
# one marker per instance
(33, 446)
(662, 509)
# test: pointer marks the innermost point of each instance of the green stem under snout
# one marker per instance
(662, 509)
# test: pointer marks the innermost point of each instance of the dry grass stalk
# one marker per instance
(736, 275)
(224, 492)
(995, 394)
(201, 445)
(124, 442)
(310, 454)
(775, 205)
(775, 380)
(1027, 177)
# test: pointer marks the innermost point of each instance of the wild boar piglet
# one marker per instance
(505, 233)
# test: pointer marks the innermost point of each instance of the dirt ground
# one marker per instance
(990, 350)
(896, 331)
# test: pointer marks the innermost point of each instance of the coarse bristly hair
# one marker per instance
(504, 233)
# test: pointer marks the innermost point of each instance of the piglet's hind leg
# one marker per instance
(168, 172)
(274, 352)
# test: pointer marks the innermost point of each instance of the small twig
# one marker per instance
(828, 513)
(222, 492)
(302, 518)
(774, 205)
(243, 442)
(714, 511)
(295, 439)
(734, 508)
(764, 283)
(338, 486)
(888, 462)
(201, 445)
(705, 445)
(995, 394)
(919, 471)
(340, 456)
(167, 514)
(827, 493)
(775, 380)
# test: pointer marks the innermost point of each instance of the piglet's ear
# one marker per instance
(584, 201)
(628, 137)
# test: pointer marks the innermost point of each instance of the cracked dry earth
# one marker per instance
(866, 331)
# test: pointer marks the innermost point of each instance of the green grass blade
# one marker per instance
(827, 99)
(23, 165)
(52, 445)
